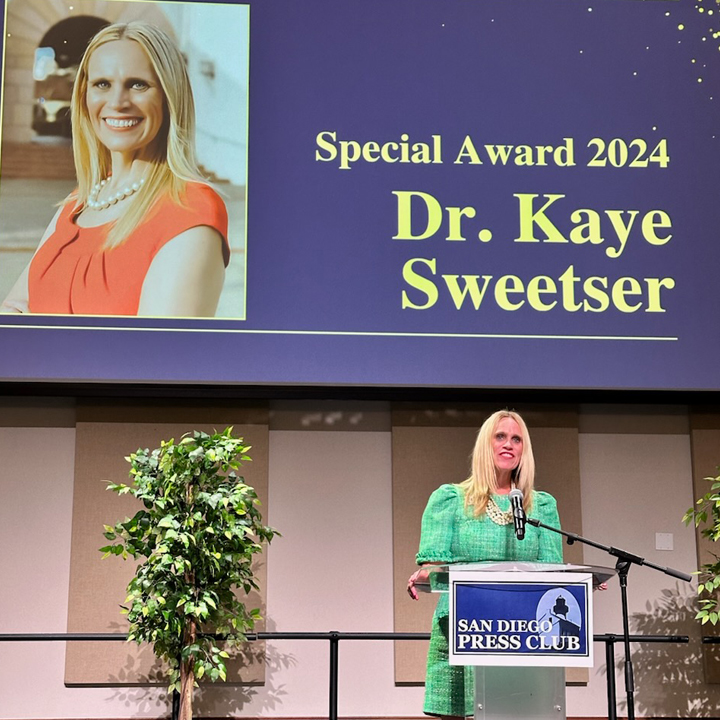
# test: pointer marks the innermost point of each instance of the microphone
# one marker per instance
(518, 511)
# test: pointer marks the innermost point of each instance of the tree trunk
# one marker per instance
(187, 680)
(187, 675)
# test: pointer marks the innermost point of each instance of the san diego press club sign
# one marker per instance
(522, 619)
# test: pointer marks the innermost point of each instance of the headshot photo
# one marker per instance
(123, 162)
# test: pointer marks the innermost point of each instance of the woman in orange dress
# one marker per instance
(143, 234)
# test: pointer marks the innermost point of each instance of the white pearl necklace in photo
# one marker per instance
(94, 204)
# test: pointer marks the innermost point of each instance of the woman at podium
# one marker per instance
(471, 522)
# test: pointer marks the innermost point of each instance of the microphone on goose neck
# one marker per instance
(518, 511)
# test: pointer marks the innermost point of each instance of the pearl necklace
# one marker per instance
(94, 204)
(498, 516)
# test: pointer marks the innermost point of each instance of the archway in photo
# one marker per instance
(56, 62)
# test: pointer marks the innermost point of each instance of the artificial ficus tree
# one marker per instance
(196, 536)
(706, 511)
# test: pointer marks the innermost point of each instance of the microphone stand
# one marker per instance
(624, 561)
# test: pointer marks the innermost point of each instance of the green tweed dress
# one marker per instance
(450, 534)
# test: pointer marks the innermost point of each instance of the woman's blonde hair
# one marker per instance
(483, 478)
(174, 163)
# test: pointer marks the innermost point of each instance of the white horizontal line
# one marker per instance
(348, 333)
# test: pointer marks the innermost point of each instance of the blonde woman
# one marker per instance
(470, 522)
(143, 234)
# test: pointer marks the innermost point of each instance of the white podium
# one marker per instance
(520, 625)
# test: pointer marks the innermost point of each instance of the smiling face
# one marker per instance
(507, 446)
(124, 98)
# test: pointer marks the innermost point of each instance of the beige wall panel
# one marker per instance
(97, 586)
(634, 486)
(425, 457)
(330, 496)
(36, 482)
(557, 463)
(35, 504)
(705, 461)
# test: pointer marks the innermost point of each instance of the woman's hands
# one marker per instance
(419, 577)
(422, 577)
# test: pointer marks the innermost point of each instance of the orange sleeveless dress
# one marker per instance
(74, 274)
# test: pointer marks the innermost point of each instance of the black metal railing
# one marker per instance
(334, 637)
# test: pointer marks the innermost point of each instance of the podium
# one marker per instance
(519, 624)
